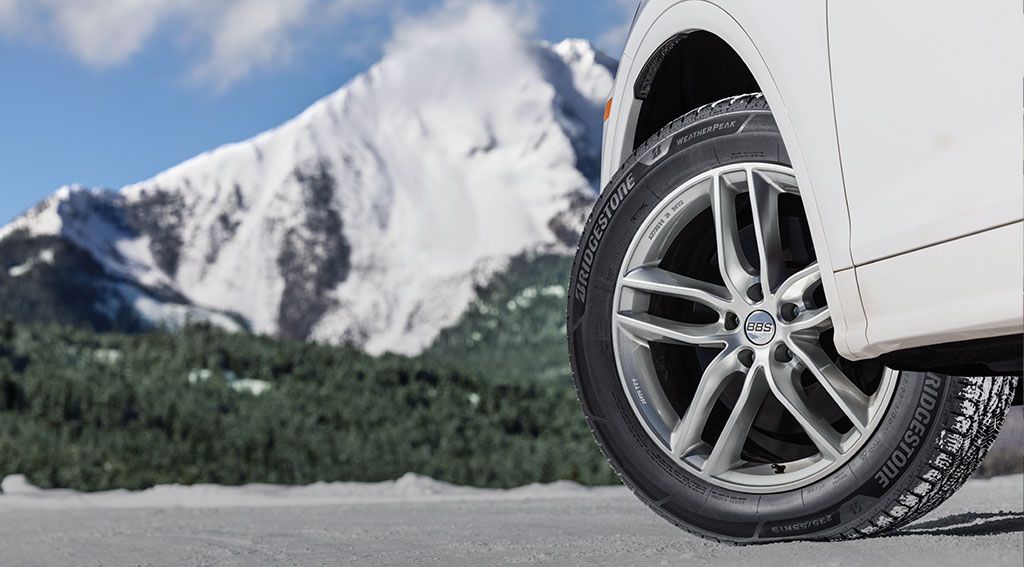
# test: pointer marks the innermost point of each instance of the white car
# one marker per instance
(797, 310)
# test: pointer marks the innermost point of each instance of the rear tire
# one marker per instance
(930, 433)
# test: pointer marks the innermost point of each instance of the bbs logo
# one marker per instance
(760, 327)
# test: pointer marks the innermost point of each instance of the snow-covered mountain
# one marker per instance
(370, 219)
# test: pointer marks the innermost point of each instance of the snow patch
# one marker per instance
(43, 219)
(250, 386)
(46, 256)
(176, 316)
(240, 385)
(107, 356)
(19, 494)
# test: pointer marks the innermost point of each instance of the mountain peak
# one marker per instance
(373, 216)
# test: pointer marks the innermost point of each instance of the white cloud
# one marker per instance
(233, 38)
(250, 34)
(480, 43)
(459, 24)
(104, 32)
(8, 13)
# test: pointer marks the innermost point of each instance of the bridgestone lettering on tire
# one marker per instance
(700, 342)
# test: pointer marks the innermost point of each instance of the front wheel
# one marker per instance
(701, 345)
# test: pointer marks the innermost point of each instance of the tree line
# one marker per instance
(91, 411)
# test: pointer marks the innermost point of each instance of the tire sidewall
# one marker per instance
(822, 509)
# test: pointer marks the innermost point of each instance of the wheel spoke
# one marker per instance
(650, 328)
(686, 434)
(736, 269)
(854, 403)
(726, 454)
(783, 383)
(657, 280)
(817, 319)
(764, 202)
(797, 289)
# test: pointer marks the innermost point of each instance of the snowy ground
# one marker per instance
(424, 522)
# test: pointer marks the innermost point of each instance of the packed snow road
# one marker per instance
(418, 521)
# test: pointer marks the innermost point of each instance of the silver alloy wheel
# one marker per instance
(767, 334)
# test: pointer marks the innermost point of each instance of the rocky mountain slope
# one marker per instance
(372, 219)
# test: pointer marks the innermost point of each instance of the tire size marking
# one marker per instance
(802, 526)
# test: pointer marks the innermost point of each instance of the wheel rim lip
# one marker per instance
(749, 479)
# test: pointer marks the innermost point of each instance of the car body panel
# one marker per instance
(929, 120)
(786, 45)
(977, 294)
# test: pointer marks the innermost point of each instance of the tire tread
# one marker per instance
(961, 447)
(976, 407)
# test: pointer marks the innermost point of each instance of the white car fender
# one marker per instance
(793, 73)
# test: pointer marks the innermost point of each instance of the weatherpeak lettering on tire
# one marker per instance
(687, 138)
(916, 433)
(589, 249)
(719, 129)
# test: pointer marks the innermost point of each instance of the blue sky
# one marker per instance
(106, 94)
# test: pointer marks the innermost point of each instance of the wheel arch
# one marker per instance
(792, 73)
(689, 70)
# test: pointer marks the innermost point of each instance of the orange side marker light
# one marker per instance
(608, 109)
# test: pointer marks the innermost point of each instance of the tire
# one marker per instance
(928, 436)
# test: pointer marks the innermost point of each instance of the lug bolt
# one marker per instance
(789, 312)
(755, 293)
(732, 321)
(746, 357)
(782, 354)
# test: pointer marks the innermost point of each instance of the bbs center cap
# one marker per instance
(760, 328)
